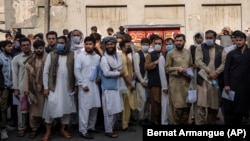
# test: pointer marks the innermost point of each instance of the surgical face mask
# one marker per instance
(60, 47)
(169, 47)
(145, 48)
(17, 44)
(157, 47)
(209, 42)
(76, 39)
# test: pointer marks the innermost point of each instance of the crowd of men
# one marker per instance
(71, 78)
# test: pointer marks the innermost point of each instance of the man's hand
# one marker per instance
(46, 92)
(98, 80)
(76, 89)
(165, 91)
(132, 88)
(16, 92)
(26, 93)
(156, 62)
(227, 89)
(212, 75)
(86, 88)
(181, 70)
(122, 73)
(144, 84)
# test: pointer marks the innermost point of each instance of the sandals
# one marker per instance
(66, 134)
(21, 133)
(33, 134)
(111, 135)
(45, 138)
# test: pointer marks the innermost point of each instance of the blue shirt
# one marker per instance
(7, 72)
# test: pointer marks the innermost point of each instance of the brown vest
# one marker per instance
(70, 67)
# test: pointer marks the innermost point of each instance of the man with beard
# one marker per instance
(178, 60)
(210, 57)
(236, 78)
(129, 96)
(86, 68)
(111, 76)
(51, 37)
(154, 81)
(33, 85)
(5, 88)
(18, 69)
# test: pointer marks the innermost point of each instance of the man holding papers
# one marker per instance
(236, 77)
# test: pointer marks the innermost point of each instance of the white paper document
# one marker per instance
(228, 96)
(204, 75)
(230, 48)
(16, 101)
(189, 72)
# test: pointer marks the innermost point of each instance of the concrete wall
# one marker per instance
(2, 18)
(194, 15)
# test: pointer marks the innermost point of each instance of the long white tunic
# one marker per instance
(86, 66)
(59, 102)
(164, 96)
(111, 99)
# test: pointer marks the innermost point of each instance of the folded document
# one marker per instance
(228, 96)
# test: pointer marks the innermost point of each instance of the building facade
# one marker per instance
(34, 16)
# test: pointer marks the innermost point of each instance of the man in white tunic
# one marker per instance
(86, 68)
(18, 68)
(59, 86)
(111, 74)
(141, 78)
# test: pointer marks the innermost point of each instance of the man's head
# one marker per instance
(89, 43)
(152, 37)
(96, 36)
(210, 36)
(25, 45)
(119, 38)
(51, 37)
(110, 44)
(8, 37)
(6, 47)
(198, 38)
(121, 28)
(61, 43)
(240, 38)
(65, 32)
(158, 44)
(39, 47)
(17, 39)
(93, 29)
(169, 44)
(180, 40)
(76, 36)
(145, 42)
(38, 36)
(233, 36)
(125, 46)
(110, 31)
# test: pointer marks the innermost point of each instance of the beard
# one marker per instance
(179, 47)
(89, 51)
(39, 54)
(111, 52)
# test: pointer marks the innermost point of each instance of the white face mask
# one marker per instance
(145, 48)
(157, 47)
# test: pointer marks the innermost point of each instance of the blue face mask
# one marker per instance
(169, 47)
(60, 47)
(17, 45)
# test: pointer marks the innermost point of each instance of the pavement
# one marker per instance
(122, 135)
